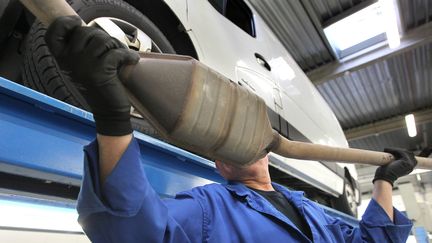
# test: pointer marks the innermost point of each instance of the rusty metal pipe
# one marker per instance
(308, 151)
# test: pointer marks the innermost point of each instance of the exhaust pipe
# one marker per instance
(198, 109)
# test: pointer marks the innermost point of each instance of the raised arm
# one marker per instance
(92, 57)
(382, 193)
(116, 201)
(381, 222)
(386, 175)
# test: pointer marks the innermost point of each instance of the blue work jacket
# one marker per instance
(127, 209)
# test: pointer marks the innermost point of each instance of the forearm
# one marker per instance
(382, 193)
(111, 148)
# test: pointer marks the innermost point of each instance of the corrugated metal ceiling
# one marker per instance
(292, 22)
(385, 89)
(414, 13)
(396, 139)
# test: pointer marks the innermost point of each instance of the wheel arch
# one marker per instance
(354, 184)
(348, 176)
(165, 19)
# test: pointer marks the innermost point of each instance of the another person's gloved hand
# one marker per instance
(403, 164)
(93, 57)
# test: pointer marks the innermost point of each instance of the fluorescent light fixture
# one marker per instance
(20, 214)
(411, 126)
(390, 22)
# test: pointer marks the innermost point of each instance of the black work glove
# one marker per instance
(403, 164)
(93, 57)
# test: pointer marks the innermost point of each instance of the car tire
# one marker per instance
(346, 202)
(40, 69)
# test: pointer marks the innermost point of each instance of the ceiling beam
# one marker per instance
(318, 26)
(387, 125)
(415, 38)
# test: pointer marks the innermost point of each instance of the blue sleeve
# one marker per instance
(127, 209)
(375, 222)
(376, 226)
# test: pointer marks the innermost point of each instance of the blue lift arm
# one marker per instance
(43, 138)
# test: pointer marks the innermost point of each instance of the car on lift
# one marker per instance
(227, 35)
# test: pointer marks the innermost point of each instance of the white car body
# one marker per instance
(225, 47)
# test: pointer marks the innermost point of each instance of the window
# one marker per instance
(362, 29)
(238, 12)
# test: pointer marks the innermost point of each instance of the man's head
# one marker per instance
(257, 172)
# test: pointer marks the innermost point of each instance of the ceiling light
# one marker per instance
(411, 126)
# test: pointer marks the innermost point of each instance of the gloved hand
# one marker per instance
(403, 164)
(93, 57)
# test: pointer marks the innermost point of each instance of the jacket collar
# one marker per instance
(241, 190)
(258, 203)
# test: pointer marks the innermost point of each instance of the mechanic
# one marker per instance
(117, 203)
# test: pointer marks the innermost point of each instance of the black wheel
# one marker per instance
(346, 202)
(42, 73)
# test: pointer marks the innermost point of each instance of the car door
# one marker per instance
(229, 41)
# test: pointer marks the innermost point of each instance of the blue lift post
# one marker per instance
(43, 138)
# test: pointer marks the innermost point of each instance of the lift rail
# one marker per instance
(42, 139)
